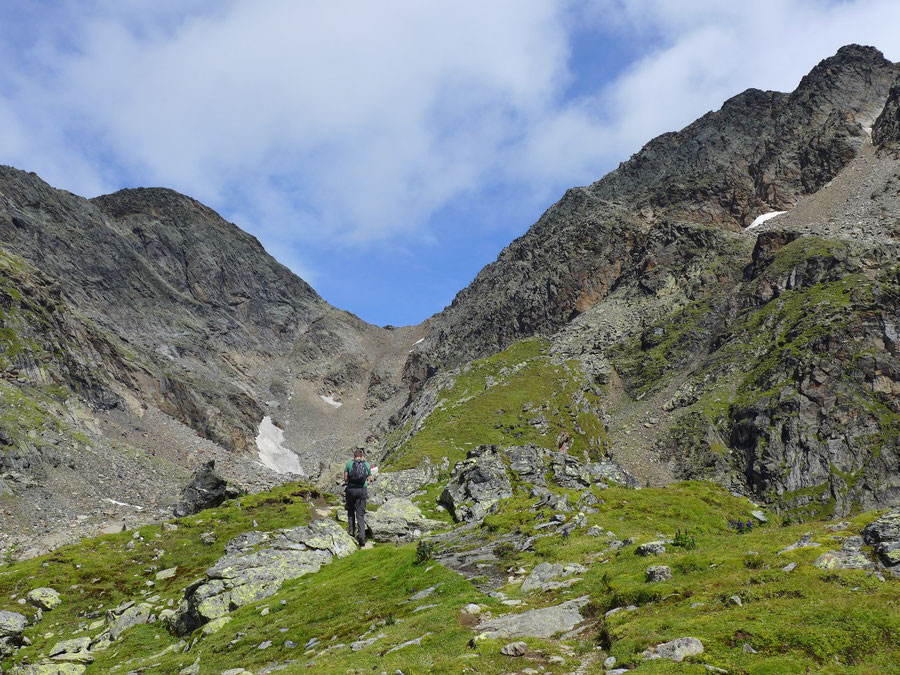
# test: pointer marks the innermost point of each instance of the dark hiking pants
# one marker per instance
(356, 513)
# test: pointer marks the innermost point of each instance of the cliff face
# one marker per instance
(721, 355)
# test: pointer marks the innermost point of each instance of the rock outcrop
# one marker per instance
(206, 490)
(539, 623)
(254, 567)
(12, 625)
(886, 131)
(884, 536)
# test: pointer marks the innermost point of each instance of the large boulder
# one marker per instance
(12, 624)
(540, 623)
(541, 577)
(206, 490)
(399, 520)
(43, 598)
(255, 565)
(884, 535)
(675, 650)
(477, 484)
(850, 557)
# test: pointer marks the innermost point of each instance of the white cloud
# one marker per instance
(356, 122)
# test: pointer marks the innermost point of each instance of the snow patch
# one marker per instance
(113, 501)
(763, 218)
(271, 451)
(418, 341)
(330, 401)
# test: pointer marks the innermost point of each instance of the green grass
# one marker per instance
(528, 384)
(808, 620)
(98, 574)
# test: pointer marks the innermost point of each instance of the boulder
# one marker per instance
(850, 557)
(476, 485)
(12, 624)
(49, 669)
(540, 578)
(675, 650)
(658, 573)
(514, 649)
(255, 565)
(72, 646)
(884, 535)
(44, 598)
(406, 484)
(398, 520)
(653, 547)
(120, 620)
(540, 623)
(206, 490)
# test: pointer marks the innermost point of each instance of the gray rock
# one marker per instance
(416, 642)
(404, 484)
(675, 650)
(133, 615)
(254, 567)
(735, 600)
(658, 573)
(425, 593)
(804, 542)
(652, 548)
(398, 520)
(760, 516)
(72, 646)
(609, 662)
(540, 623)
(44, 598)
(845, 559)
(362, 644)
(476, 485)
(884, 535)
(514, 649)
(747, 649)
(790, 567)
(541, 575)
(206, 490)
(12, 623)
(193, 669)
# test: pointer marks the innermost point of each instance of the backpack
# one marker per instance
(358, 472)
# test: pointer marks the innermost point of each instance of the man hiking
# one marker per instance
(357, 473)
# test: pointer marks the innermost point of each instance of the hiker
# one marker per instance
(357, 473)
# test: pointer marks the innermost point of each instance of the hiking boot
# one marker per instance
(362, 541)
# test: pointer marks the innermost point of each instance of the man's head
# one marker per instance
(358, 453)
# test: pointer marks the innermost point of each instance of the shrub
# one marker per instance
(685, 540)
(424, 551)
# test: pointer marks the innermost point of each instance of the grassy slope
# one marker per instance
(528, 384)
(827, 621)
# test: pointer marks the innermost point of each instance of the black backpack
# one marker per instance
(359, 472)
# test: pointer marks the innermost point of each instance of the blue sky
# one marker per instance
(386, 151)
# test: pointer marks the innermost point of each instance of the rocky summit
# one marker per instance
(660, 431)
